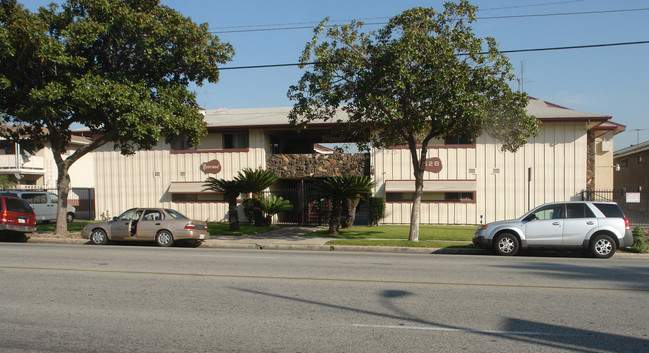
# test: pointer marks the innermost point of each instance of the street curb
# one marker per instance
(220, 244)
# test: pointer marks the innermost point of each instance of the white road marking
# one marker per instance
(451, 329)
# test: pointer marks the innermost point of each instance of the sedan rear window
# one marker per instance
(175, 214)
(610, 209)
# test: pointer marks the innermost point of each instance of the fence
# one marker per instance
(83, 199)
(310, 209)
(634, 204)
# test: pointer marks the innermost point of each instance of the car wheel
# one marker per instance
(70, 217)
(506, 244)
(164, 238)
(602, 246)
(98, 237)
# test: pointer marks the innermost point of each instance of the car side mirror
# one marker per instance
(115, 218)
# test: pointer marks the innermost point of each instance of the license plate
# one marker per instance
(21, 220)
(202, 237)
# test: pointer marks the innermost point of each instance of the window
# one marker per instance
(236, 140)
(609, 209)
(152, 215)
(458, 196)
(35, 198)
(464, 139)
(197, 197)
(180, 143)
(129, 215)
(625, 163)
(578, 210)
(175, 214)
(431, 197)
(640, 159)
(548, 212)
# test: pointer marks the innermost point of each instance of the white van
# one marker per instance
(44, 204)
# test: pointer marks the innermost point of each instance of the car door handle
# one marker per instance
(157, 224)
(590, 223)
(556, 223)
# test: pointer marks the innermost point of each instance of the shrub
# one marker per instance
(377, 209)
(639, 242)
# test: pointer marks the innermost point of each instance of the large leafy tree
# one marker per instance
(120, 68)
(425, 75)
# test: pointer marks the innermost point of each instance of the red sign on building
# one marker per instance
(433, 165)
(211, 167)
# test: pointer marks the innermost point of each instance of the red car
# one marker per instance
(16, 216)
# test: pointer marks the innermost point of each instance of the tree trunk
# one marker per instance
(259, 214)
(413, 235)
(351, 211)
(63, 185)
(334, 220)
(233, 214)
(418, 170)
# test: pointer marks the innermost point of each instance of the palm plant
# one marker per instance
(231, 190)
(361, 185)
(273, 205)
(340, 190)
(254, 182)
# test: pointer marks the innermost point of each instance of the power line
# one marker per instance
(302, 25)
(572, 47)
(311, 23)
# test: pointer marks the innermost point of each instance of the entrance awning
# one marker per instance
(431, 185)
(188, 187)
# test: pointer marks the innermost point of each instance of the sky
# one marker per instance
(612, 80)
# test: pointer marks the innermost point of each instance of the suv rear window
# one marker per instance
(17, 205)
(610, 209)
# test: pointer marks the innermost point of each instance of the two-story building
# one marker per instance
(37, 170)
(468, 181)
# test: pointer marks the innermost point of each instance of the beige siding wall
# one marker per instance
(557, 158)
(604, 171)
(143, 180)
(81, 172)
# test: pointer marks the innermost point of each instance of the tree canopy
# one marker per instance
(425, 75)
(120, 68)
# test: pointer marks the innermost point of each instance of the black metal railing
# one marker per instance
(635, 204)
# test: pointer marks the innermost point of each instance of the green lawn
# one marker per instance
(430, 236)
(76, 226)
(246, 229)
(400, 232)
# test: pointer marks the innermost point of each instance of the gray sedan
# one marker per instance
(162, 225)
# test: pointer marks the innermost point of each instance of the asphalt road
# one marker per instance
(82, 298)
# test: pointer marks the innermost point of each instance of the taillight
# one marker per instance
(627, 225)
(190, 226)
(3, 219)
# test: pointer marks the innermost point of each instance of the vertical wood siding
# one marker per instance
(557, 158)
(143, 179)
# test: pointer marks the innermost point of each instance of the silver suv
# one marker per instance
(597, 227)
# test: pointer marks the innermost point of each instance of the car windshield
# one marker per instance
(175, 214)
(128, 215)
